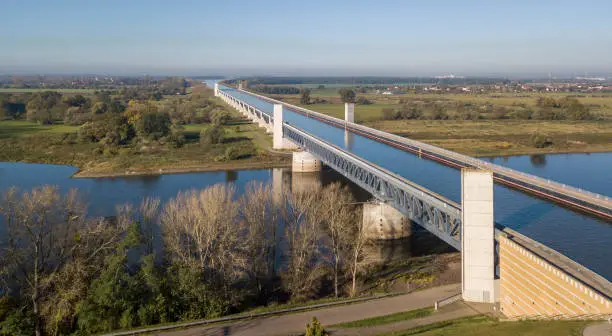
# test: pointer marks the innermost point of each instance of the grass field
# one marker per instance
(19, 128)
(386, 319)
(58, 144)
(483, 137)
(485, 326)
(12, 90)
(504, 137)
(362, 112)
(600, 104)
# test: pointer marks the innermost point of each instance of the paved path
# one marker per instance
(295, 323)
(450, 312)
(598, 329)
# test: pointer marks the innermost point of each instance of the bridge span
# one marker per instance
(583, 200)
(491, 254)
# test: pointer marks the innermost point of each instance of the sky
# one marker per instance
(317, 37)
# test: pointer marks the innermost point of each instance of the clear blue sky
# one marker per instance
(318, 37)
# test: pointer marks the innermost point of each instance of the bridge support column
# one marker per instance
(304, 162)
(381, 221)
(349, 112)
(278, 142)
(477, 237)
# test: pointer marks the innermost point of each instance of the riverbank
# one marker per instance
(216, 166)
(22, 141)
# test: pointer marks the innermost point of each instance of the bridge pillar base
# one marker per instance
(381, 221)
(304, 162)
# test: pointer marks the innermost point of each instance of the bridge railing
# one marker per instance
(474, 162)
(437, 214)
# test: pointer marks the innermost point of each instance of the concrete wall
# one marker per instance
(382, 221)
(349, 112)
(533, 287)
(477, 236)
(304, 162)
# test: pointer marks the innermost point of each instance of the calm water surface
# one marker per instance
(583, 238)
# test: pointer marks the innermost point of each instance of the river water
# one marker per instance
(582, 238)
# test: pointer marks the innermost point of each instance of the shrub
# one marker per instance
(220, 117)
(540, 141)
(363, 101)
(388, 113)
(523, 114)
(315, 328)
(212, 135)
(347, 95)
(232, 153)
(176, 139)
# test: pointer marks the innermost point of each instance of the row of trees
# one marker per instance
(164, 85)
(546, 109)
(274, 89)
(202, 254)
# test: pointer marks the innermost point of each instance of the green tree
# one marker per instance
(113, 297)
(109, 128)
(212, 135)
(220, 117)
(45, 107)
(305, 96)
(153, 125)
(347, 95)
(99, 108)
(77, 100)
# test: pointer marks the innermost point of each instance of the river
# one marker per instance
(582, 238)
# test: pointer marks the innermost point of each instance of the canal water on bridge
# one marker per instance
(582, 238)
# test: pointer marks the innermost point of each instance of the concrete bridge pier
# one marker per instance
(478, 282)
(304, 162)
(278, 141)
(383, 222)
(349, 112)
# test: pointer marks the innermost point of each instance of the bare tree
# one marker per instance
(199, 229)
(356, 249)
(259, 221)
(303, 237)
(338, 213)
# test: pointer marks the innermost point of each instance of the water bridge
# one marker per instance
(499, 265)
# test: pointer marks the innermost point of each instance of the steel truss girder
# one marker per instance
(438, 215)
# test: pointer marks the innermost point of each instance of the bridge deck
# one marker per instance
(583, 200)
(581, 238)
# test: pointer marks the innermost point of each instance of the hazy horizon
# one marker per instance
(315, 38)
